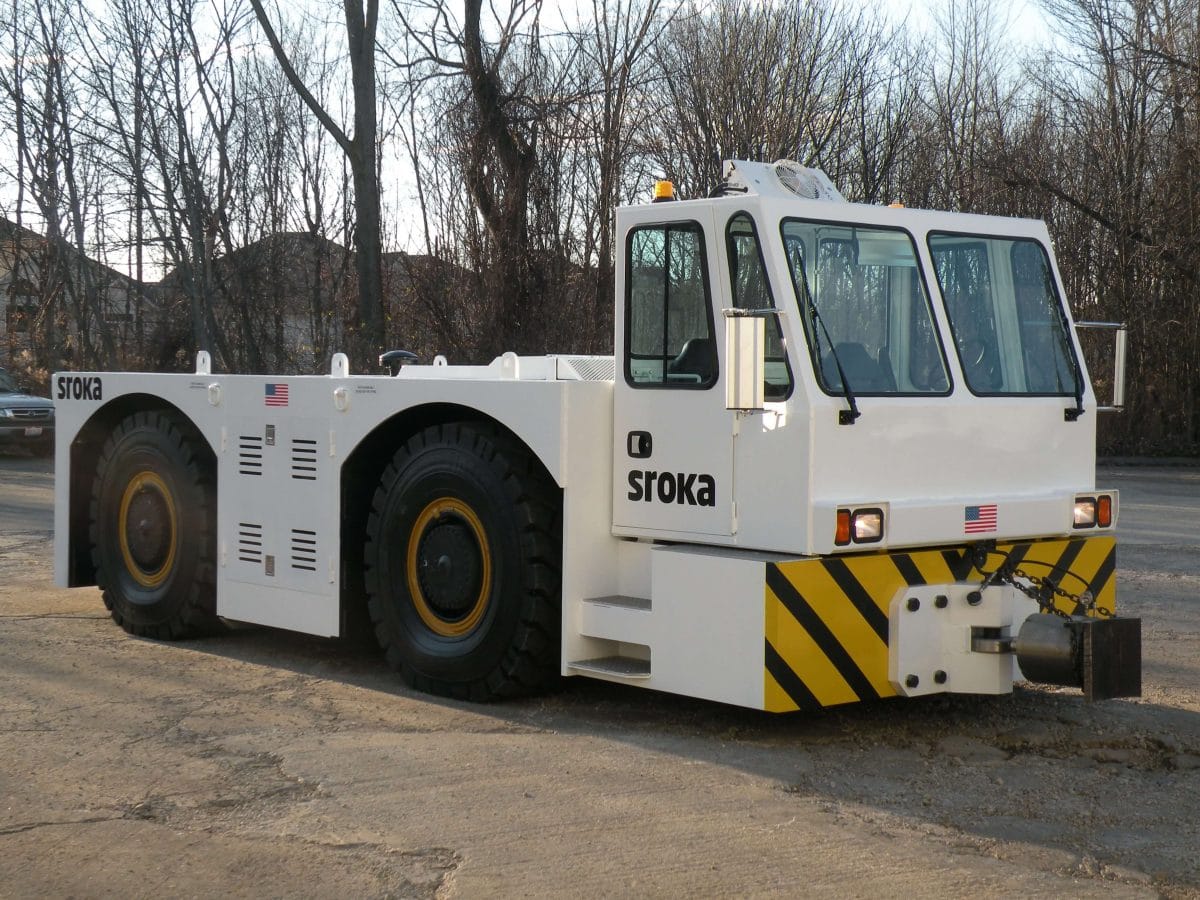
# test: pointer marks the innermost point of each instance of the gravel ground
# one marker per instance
(265, 764)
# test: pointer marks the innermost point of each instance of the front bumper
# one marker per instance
(840, 629)
(33, 432)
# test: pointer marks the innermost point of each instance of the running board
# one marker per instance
(613, 667)
(622, 601)
(615, 618)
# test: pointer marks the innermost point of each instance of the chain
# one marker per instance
(1043, 591)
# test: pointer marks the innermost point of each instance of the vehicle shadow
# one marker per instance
(1112, 787)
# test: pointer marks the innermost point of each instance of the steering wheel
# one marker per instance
(979, 363)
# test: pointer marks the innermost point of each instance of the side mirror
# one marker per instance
(746, 357)
(1118, 357)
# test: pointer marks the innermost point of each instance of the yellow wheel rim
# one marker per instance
(442, 511)
(142, 486)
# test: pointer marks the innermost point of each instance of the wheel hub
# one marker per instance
(449, 567)
(147, 529)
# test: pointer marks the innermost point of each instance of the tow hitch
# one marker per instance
(1101, 656)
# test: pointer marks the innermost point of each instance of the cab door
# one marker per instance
(673, 437)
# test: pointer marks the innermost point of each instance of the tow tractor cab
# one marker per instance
(842, 452)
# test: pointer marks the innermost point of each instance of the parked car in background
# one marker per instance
(25, 420)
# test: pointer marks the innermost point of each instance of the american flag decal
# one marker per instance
(979, 519)
(276, 395)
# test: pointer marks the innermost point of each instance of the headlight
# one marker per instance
(862, 526)
(6, 413)
(1084, 515)
(868, 525)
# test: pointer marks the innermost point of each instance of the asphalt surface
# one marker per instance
(262, 764)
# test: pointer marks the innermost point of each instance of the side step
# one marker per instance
(614, 666)
(615, 618)
(617, 624)
(622, 601)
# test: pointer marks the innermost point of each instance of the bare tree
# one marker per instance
(362, 21)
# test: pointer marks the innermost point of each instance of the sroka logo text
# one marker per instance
(78, 387)
(673, 487)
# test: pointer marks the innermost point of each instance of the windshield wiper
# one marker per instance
(1072, 415)
(845, 416)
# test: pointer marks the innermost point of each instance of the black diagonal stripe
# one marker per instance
(820, 633)
(1063, 566)
(960, 564)
(858, 595)
(1012, 557)
(1018, 553)
(908, 569)
(1100, 580)
(789, 680)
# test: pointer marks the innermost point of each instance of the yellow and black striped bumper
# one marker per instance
(827, 619)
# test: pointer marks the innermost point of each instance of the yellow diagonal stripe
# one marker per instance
(801, 653)
(775, 698)
(835, 609)
(932, 567)
(880, 579)
(878, 576)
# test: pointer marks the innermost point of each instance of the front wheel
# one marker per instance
(462, 565)
(153, 520)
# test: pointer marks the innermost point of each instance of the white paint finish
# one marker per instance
(703, 633)
(708, 625)
(614, 623)
(930, 639)
(929, 456)
(189, 393)
(691, 428)
(280, 608)
(916, 523)
(62, 505)
(291, 499)
(591, 555)
(634, 560)
(534, 410)
(780, 473)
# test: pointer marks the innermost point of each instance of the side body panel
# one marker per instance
(281, 444)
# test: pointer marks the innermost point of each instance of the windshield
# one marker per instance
(7, 384)
(864, 287)
(1008, 324)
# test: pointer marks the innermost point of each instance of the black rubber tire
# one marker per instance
(158, 573)
(462, 512)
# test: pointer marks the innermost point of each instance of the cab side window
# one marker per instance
(751, 289)
(668, 313)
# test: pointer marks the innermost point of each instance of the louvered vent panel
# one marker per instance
(304, 550)
(250, 454)
(593, 368)
(304, 459)
(250, 543)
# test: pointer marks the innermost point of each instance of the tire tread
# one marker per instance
(530, 663)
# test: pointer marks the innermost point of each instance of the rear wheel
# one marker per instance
(153, 519)
(462, 565)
